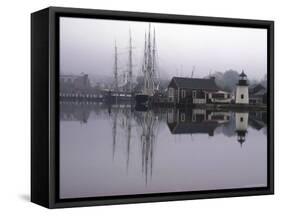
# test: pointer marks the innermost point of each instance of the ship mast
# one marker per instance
(154, 60)
(149, 64)
(144, 67)
(130, 71)
(115, 68)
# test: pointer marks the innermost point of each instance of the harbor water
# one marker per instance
(119, 150)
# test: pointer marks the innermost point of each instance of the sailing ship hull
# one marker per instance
(142, 100)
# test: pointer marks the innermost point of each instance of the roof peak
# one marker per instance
(192, 78)
(195, 83)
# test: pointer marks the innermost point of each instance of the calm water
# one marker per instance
(118, 150)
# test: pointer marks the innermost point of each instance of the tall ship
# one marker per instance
(122, 86)
(150, 84)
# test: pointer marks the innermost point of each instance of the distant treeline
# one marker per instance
(227, 80)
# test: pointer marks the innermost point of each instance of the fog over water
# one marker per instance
(87, 45)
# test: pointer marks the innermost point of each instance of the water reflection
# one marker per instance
(136, 132)
(195, 121)
(241, 125)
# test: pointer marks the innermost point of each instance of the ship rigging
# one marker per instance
(149, 67)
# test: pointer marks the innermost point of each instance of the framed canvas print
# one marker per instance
(138, 107)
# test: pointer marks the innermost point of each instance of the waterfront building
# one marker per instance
(183, 90)
(242, 90)
(257, 94)
(219, 97)
(75, 83)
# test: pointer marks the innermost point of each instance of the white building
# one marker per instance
(219, 97)
(242, 90)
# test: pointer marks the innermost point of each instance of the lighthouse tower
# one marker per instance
(242, 91)
(241, 125)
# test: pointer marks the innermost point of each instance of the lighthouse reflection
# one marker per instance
(124, 141)
(241, 125)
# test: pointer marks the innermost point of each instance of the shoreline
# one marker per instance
(246, 107)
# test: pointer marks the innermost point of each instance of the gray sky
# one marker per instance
(87, 45)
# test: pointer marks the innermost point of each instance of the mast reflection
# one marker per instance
(148, 122)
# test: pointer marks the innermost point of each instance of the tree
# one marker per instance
(227, 80)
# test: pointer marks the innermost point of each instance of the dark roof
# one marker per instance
(195, 83)
(242, 74)
(260, 92)
(255, 88)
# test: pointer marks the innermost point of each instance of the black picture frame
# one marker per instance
(45, 106)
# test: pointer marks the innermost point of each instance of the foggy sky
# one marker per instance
(87, 45)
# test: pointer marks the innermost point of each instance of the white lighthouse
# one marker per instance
(242, 91)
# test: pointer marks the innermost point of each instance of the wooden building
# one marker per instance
(257, 94)
(183, 90)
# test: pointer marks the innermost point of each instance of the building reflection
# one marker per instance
(258, 120)
(195, 121)
(75, 112)
(210, 122)
(141, 127)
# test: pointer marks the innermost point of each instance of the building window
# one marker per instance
(194, 94)
(242, 96)
(171, 92)
(193, 117)
(182, 117)
(170, 117)
(241, 119)
(183, 93)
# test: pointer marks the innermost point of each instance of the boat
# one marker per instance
(142, 100)
(149, 71)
